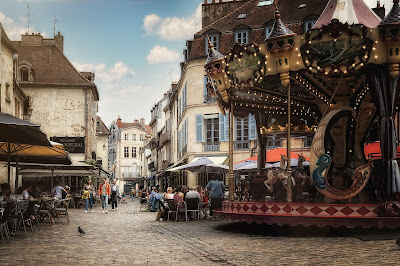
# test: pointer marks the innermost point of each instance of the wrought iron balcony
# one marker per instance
(242, 145)
(211, 146)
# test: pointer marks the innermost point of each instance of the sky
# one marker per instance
(133, 46)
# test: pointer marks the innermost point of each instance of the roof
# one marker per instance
(393, 16)
(6, 40)
(350, 11)
(125, 125)
(148, 129)
(51, 66)
(279, 29)
(213, 55)
(103, 128)
(257, 18)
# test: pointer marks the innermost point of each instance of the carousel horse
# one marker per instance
(320, 162)
(300, 174)
(274, 175)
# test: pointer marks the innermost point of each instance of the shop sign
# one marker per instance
(72, 144)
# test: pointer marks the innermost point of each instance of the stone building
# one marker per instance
(61, 100)
(101, 151)
(124, 146)
(12, 98)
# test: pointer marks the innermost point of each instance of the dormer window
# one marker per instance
(268, 29)
(265, 2)
(242, 36)
(24, 74)
(308, 24)
(214, 38)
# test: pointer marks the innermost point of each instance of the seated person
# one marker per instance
(6, 191)
(57, 191)
(26, 193)
(36, 193)
(169, 194)
(193, 194)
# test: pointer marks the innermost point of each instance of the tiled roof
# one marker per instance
(103, 128)
(393, 16)
(148, 129)
(51, 66)
(257, 18)
(125, 125)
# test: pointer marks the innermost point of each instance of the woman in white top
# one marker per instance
(169, 194)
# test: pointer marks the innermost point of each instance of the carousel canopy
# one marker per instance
(275, 156)
(350, 11)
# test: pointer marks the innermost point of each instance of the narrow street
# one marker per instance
(127, 237)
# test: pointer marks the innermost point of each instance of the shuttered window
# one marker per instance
(252, 127)
(199, 128)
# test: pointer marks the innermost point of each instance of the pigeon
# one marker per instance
(398, 241)
(80, 230)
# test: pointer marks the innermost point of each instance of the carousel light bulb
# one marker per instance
(373, 48)
(376, 57)
(297, 62)
(299, 55)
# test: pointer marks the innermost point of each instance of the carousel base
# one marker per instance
(306, 214)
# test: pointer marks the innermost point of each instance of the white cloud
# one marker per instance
(117, 76)
(173, 28)
(14, 29)
(159, 55)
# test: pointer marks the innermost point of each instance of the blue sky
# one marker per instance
(133, 46)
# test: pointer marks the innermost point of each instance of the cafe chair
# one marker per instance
(61, 208)
(3, 221)
(193, 206)
(172, 208)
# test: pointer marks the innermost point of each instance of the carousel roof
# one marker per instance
(393, 16)
(279, 29)
(213, 54)
(350, 11)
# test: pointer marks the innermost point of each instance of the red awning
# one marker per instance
(374, 150)
(275, 156)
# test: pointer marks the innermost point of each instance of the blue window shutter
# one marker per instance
(221, 128)
(226, 124)
(199, 128)
(252, 127)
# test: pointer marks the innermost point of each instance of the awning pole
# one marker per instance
(9, 161)
(289, 168)
(52, 179)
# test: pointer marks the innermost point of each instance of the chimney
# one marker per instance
(136, 121)
(59, 41)
(32, 40)
(142, 122)
(119, 122)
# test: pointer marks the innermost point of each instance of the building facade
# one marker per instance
(125, 143)
(60, 99)
(101, 152)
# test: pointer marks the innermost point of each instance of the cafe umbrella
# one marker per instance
(20, 139)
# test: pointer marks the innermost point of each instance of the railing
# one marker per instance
(242, 145)
(211, 146)
(129, 175)
(165, 137)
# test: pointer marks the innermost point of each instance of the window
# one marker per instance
(308, 24)
(126, 136)
(133, 152)
(242, 16)
(126, 152)
(212, 129)
(307, 142)
(134, 137)
(242, 37)
(141, 138)
(242, 129)
(268, 30)
(126, 171)
(8, 92)
(24, 74)
(208, 98)
(273, 143)
(265, 2)
(214, 40)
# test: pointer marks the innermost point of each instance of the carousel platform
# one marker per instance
(306, 214)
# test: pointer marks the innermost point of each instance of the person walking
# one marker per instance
(115, 193)
(133, 193)
(88, 194)
(104, 192)
(217, 189)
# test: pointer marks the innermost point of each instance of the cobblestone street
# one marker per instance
(128, 236)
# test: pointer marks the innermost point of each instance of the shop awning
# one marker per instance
(214, 159)
(179, 163)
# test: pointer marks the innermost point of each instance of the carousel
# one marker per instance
(337, 83)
